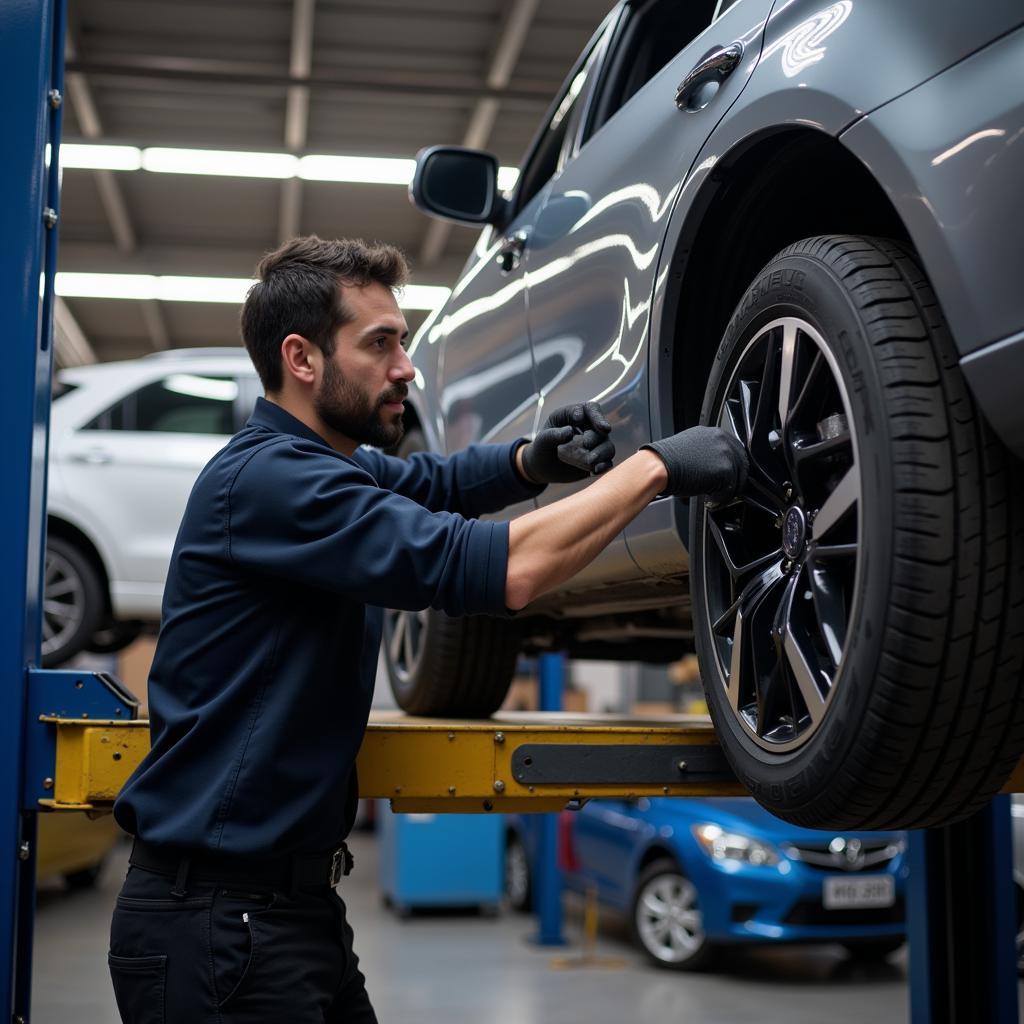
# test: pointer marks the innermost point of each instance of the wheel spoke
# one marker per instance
(830, 608)
(58, 610)
(830, 551)
(810, 384)
(838, 503)
(408, 647)
(786, 373)
(804, 676)
(65, 586)
(655, 905)
(397, 638)
(814, 450)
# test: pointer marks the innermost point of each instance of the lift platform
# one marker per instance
(519, 762)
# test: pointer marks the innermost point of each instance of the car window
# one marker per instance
(187, 403)
(651, 35)
(544, 160)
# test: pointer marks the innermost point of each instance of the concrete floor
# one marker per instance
(464, 969)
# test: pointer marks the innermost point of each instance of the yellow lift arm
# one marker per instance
(512, 762)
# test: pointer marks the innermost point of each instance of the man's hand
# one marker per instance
(572, 445)
(703, 460)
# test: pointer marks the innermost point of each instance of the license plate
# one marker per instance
(841, 892)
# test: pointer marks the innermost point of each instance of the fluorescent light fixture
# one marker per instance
(379, 170)
(101, 158)
(220, 161)
(203, 289)
(371, 170)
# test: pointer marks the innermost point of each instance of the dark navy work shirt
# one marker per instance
(261, 683)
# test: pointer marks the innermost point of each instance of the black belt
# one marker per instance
(282, 873)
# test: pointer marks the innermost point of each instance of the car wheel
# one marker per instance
(114, 636)
(871, 951)
(443, 666)
(72, 602)
(857, 608)
(667, 920)
(518, 883)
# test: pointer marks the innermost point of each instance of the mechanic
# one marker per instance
(296, 534)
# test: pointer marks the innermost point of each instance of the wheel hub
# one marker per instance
(794, 532)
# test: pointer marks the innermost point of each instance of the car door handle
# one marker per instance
(510, 252)
(714, 68)
(92, 457)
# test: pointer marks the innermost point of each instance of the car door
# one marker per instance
(129, 472)
(596, 245)
(488, 389)
(606, 834)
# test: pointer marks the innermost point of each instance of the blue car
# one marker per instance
(698, 875)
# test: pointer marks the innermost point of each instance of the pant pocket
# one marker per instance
(139, 987)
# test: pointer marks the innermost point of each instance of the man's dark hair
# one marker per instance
(297, 292)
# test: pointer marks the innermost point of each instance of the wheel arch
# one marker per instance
(57, 526)
(768, 191)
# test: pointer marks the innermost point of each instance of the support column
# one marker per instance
(962, 921)
(548, 887)
(31, 43)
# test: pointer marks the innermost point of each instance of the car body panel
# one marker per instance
(126, 490)
(942, 155)
(607, 261)
(614, 840)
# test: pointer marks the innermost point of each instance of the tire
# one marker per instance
(73, 602)
(443, 666)
(871, 951)
(861, 639)
(666, 920)
(114, 636)
(518, 880)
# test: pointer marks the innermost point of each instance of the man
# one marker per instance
(293, 538)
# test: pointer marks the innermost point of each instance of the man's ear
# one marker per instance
(298, 359)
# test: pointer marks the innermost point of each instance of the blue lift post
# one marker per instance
(962, 921)
(551, 669)
(31, 66)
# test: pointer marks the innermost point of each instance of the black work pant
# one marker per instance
(230, 955)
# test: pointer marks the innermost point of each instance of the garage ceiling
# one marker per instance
(381, 78)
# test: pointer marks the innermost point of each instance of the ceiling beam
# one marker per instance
(193, 69)
(111, 196)
(296, 119)
(71, 347)
(506, 55)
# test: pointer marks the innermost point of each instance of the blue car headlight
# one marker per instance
(722, 846)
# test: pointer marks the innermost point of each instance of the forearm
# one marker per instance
(548, 546)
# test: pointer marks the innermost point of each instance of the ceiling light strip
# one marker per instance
(169, 288)
(371, 170)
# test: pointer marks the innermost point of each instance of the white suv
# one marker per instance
(127, 441)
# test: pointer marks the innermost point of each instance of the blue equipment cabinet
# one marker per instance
(440, 860)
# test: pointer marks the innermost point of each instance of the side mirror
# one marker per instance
(457, 184)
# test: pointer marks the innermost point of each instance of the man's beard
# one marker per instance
(349, 410)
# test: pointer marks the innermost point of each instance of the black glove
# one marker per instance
(703, 460)
(571, 445)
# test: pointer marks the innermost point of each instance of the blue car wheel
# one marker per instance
(667, 919)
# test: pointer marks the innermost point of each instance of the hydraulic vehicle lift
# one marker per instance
(69, 739)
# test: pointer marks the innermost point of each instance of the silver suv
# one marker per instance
(801, 221)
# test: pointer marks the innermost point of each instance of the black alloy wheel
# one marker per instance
(783, 559)
(859, 609)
